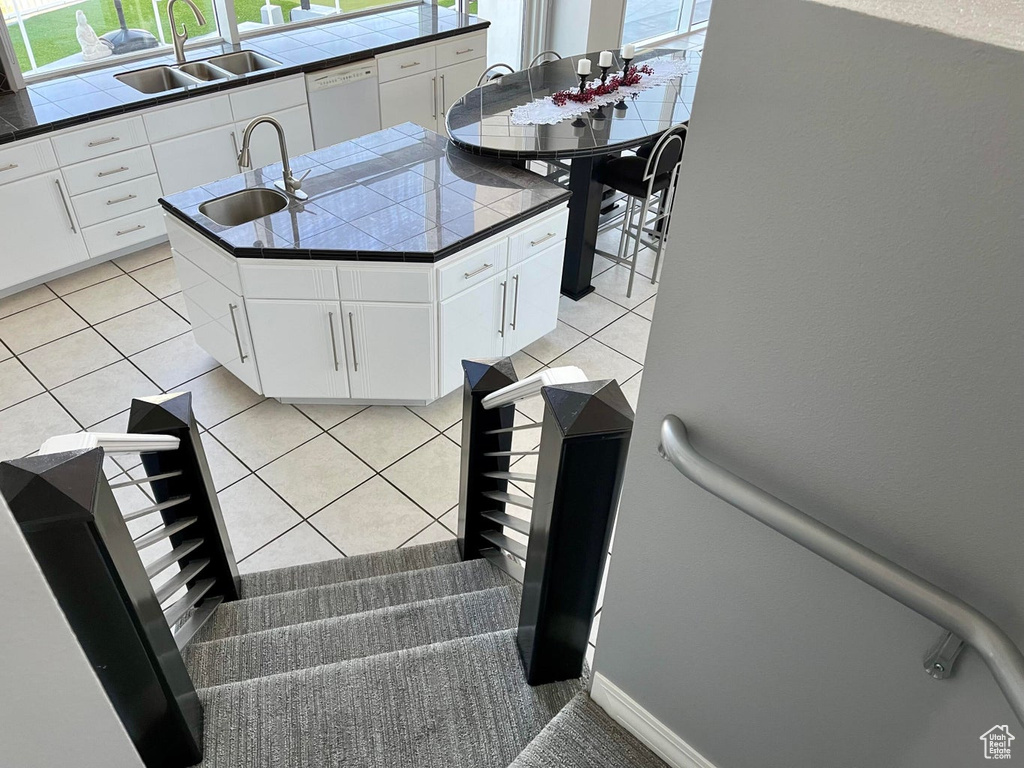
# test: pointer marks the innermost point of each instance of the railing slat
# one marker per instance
(143, 480)
(180, 579)
(155, 508)
(189, 600)
(515, 570)
(163, 533)
(196, 621)
(511, 477)
(161, 564)
(501, 541)
(508, 521)
(510, 498)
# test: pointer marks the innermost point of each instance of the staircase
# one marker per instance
(400, 658)
(448, 654)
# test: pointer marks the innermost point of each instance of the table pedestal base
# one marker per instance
(581, 237)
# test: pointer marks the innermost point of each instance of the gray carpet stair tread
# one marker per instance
(280, 609)
(349, 568)
(458, 704)
(583, 736)
(327, 641)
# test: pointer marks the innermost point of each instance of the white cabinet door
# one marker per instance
(299, 348)
(190, 161)
(454, 82)
(533, 290)
(219, 322)
(391, 350)
(263, 146)
(470, 328)
(411, 99)
(40, 234)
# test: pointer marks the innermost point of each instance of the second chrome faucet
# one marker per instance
(288, 183)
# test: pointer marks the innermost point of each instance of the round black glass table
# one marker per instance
(481, 123)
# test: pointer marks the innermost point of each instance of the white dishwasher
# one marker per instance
(343, 103)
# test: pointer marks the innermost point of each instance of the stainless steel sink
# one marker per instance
(243, 207)
(201, 70)
(243, 62)
(156, 79)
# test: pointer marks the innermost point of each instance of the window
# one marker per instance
(47, 34)
(263, 15)
(654, 19)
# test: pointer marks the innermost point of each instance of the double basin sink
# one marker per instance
(167, 78)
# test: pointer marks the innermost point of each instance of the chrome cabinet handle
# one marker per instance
(504, 296)
(9, 167)
(67, 206)
(238, 339)
(352, 333)
(444, 96)
(334, 340)
(475, 272)
(124, 199)
(101, 142)
(515, 302)
(433, 83)
(122, 169)
(548, 236)
(406, 66)
(136, 228)
(464, 50)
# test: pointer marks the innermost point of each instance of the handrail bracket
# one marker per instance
(940, 659)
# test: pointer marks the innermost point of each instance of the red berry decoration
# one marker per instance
(633, 77)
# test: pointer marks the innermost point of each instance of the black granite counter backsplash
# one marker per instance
(401, 194)
(78, 99)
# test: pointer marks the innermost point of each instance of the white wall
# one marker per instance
(53, 711)
(841, 321)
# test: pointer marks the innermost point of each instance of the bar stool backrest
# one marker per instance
(489, 75)
(545, 56)
(667, 153)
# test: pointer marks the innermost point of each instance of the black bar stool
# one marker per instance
(648, 179)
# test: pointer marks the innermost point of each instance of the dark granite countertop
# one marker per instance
(401, 194)
(77, 99)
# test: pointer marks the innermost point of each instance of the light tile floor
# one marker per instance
(296, 483)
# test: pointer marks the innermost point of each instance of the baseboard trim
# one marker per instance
(654, 734)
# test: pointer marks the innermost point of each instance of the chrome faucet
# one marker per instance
(178, 38)
(288, 184)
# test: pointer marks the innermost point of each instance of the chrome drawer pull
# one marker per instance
(238, 339)
(136, 228)
(504, 297)
(352, 331)
(101, 142)
(464, 50)
(10, 167)
(121, 199)
(548, 236)
(67, 206)
(475, 272)
(406, 66)
(122, 169)
(334, 340)
(515, 302)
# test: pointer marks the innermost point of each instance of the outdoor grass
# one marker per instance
(52, 33)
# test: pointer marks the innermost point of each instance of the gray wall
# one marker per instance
(841, 321)
(53, 711)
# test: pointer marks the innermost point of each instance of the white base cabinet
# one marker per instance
(371, 332)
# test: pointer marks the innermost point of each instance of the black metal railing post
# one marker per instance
(70, 519)
(482, 378)
(584, 441)
(172, 415)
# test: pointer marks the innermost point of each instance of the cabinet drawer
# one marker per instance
(264, 281)
(124, 231)
(26, 160)
(99, 140)
(118, 200)
(187, 119)
(404, 283)
(536, 237)
(409, 61)
(250, 102)
(475, 268)
(107, 171)
(462, 49)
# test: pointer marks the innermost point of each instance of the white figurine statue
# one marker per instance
(92, 47)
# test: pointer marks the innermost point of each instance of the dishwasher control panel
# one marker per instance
(331, 78)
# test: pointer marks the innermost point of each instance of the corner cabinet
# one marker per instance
(370, 332)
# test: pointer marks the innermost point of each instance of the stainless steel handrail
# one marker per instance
(1004, 659)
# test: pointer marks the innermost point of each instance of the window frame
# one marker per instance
(687, 8)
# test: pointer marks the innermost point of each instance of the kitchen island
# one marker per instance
(407, 257)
